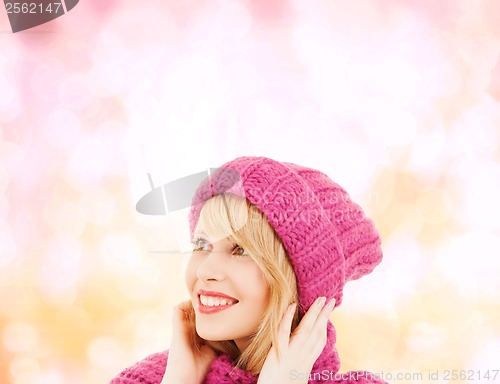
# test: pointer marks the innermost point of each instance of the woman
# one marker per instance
(274, 244)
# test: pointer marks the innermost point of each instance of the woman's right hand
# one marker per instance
(187, 364)
(297, 352)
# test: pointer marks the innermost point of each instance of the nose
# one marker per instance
(212, 268)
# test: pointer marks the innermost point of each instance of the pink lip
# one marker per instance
(207, 310)
(215, 294)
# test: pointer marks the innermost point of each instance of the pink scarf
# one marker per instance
(222, 370)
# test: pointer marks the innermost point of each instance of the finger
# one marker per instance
(185, 305)
(318, 333)
(180, 323)
(309, 319)
(285, 327)
(324, 314)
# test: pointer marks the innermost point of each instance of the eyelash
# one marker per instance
(236, 246)
(196, 244)
(199, 243)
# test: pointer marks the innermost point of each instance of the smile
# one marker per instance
(211, 302)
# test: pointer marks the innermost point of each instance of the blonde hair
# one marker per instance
(235, 216)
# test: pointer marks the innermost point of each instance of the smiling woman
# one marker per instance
(229, 295)
(243, 259)
(263, 278)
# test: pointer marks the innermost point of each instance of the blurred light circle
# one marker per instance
(312, 40)
(477, 133)
(65, 217)
(150, 329)
(445, 78)
(244, 79)
(60, 293)
(404, 219)
(106, 78)
(428, 150)
(120, 251)
(146, 280)
(19, 336)
(193, 80)
(487, 358)
(73, 91)
(387, 124)
(27, 377)
(161, 26)
(398, 78)
(24, 369)
(11, 156)
(97, 206)
(397, 278)
(105, 352)
(233, 21)
(14, 49)
(60, 272)
(61, 128)
(45, 79)
(467, 262)
(4, 205)
(331, 90)
(158, 339)
(88, 164)
(358, 73)
(9, 102)
(7, 246)
(142, 102)
(361, 162)
(480, 188)
(264, 116)
(63, 252)
(51, 375)
(425, 338)
(434, 205)
(404, 268)
(384, 187)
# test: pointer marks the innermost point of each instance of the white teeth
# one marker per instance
(212, 301)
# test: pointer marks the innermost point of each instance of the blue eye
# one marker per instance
(200, 244)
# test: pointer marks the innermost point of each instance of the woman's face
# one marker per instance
(228, 289)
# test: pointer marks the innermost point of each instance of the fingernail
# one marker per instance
(331, 304)
(291, 308)
(321, 301)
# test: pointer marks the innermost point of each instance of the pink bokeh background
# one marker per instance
(397, 101)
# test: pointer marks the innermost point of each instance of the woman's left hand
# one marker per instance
(187, 363)
(297, 352)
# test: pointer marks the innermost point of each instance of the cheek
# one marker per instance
(255, 286)
(264, 293)
(190, 276)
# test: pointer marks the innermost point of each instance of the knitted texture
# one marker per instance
(222, 371)
(327, 236)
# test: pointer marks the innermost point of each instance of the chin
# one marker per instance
(211, 333)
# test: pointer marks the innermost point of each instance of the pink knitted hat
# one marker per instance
(328, 237)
